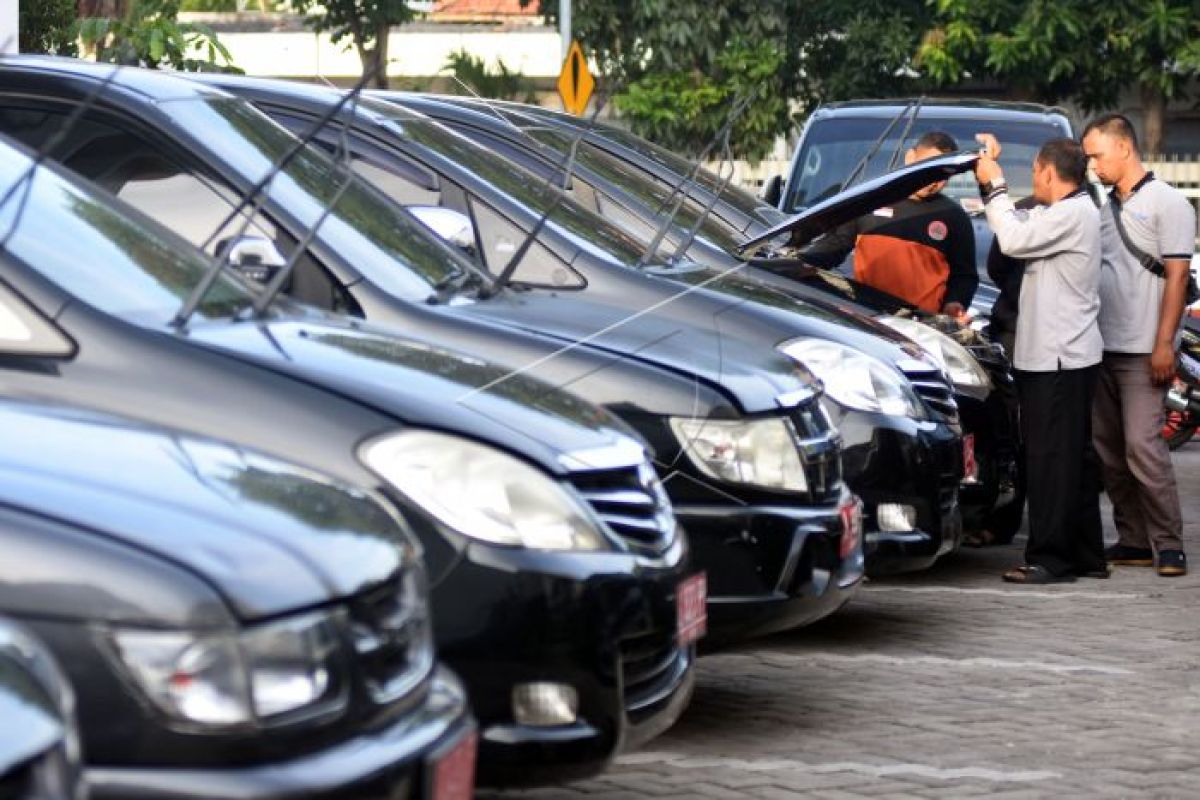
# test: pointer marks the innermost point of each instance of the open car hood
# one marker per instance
(865, 197)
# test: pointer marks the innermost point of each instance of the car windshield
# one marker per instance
(833, 146)
(363, 227)
(736, 197)
(651, 193)
(511, 180)
(103, 252)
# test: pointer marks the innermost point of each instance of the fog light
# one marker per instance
(544, 704)
(896, 517)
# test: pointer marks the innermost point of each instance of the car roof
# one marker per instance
(155, 85)
(947, 107)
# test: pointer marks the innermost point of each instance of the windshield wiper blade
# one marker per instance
(255, 196)
(862, 163)
(505, 276)
(727, 153)
(908, 126)
(722, 133)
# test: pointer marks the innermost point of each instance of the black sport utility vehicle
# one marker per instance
(838, 136)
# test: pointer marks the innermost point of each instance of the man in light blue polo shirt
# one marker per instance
(1148, 232)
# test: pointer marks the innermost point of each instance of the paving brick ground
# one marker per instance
(948, 684)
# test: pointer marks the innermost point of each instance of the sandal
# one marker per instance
(1034, 574)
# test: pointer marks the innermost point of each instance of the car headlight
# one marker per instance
(962, 367)
(482, 492)
(231, 679)
(762, 452)
(855, 379)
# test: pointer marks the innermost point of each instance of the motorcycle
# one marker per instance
(1182, 412)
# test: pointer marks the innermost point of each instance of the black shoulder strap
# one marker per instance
(1145, 259)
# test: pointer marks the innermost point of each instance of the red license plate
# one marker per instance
(691, 608)
(454, 771)
(970, 465)
(851, 515)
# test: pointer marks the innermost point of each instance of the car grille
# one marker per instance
(933, 387)
(390, 631)
(652, 667)
(632, 502)
(820, 449)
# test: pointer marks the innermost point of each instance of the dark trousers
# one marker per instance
(1062, 471)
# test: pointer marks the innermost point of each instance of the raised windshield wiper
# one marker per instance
(912, 120)
(505, 276)
(722, 134)
(862, 162)
(727, 156)
(255, 197)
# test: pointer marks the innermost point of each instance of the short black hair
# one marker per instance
(1117, 125)
(1067, 158)
(936, 140)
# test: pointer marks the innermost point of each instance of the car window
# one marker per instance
(833, 146)
(501, 238)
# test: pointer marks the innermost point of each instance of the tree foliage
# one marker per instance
(679, 65)
(477, 77)
(365, 23)
(149, 34)
(1068, 49)
(47, 26)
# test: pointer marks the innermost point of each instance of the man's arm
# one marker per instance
(964, 278)
(832, 248)
(1162, 360)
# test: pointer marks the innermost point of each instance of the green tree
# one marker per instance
(678, 65)
(366, 23)
(47, 26)
(500, 83)
(149, 34)
(1052, 51)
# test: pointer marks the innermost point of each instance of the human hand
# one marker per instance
(1162, 363)
(991, 145)
(953, 309)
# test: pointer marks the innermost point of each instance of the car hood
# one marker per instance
(864, 198)
(431, 387)
(698, 334)
(270, 537)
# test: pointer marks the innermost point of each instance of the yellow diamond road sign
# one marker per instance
(575, 82)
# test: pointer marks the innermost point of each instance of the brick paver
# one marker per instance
(950, 684)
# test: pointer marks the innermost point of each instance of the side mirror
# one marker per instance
(772, 191)
(255, 257)
(452, 227)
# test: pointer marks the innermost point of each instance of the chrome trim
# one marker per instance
(620, 454)
(799, 396)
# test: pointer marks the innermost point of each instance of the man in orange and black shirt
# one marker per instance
(921, 249)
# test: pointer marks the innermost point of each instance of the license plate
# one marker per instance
(691, 608)
(851, 515)
(970, 465)
(454, 771)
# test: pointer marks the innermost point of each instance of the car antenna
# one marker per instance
(255, 197)
(912, 120)
(862, 162)
(722, 133)
(25, 181)
(505, 275)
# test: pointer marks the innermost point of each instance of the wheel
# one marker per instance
(1178, 428)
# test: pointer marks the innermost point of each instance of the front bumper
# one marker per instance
(601, 623)
(901, 461)
(770, 568)
(991, 423)
(392, 762)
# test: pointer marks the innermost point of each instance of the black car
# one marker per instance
(232, 625)
(39, 742)
(555, 564)
(904, 459)
(778, 536)
(614, 186)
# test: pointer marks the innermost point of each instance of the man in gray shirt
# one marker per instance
(1056, 356)
(1146, 253)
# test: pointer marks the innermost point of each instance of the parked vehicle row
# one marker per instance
(360, 455)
